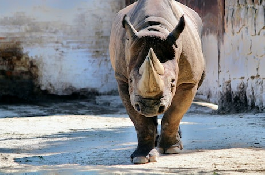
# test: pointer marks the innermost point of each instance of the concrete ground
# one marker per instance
(97, 137)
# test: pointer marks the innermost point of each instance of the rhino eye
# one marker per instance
(173, 82)
(173, 85)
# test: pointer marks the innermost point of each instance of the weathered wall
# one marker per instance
(242, 76)
(234, 48)
(60, 47)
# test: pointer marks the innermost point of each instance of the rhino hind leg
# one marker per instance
(169, 141)
(174, 149)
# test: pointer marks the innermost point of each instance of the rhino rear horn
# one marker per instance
(174, 35)
(159, 68)
(129, 27)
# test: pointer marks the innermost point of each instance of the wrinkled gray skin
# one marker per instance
(158, 62)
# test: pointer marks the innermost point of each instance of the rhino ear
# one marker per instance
(129, 27)
(174, 35)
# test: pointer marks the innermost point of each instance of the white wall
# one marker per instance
(67, 40)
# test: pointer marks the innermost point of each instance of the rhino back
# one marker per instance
(148, 11)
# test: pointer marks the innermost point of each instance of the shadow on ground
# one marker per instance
(111, 146)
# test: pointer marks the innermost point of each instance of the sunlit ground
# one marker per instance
(102, 144)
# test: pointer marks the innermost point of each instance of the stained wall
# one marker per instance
(242, 75)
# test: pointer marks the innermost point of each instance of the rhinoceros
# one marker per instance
(155, 51)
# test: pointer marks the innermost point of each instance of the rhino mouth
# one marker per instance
(150, 107)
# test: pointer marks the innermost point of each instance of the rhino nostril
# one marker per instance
(161, 109)
(137, 107)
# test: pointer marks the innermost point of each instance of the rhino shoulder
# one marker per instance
(191, 64)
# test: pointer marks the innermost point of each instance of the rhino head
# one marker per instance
(152, 67)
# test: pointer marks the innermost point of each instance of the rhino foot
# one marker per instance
(174, 149)
(151, 157)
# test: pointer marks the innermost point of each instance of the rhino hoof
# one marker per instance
(140, 160)
(174, 149)
(151, 157)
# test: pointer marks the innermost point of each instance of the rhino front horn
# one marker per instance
(150, 83)
(174, 35)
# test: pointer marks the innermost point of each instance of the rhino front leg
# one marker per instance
(169, 141)
(146, 135)
(146, 129)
